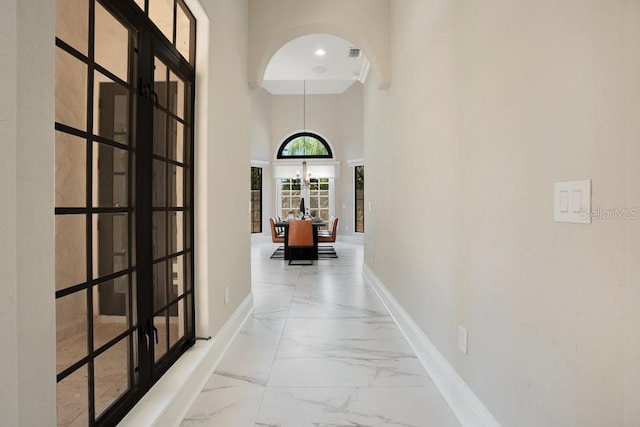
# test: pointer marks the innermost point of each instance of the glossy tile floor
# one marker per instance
(320, 350)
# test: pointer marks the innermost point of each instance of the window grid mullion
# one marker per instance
(89, 216)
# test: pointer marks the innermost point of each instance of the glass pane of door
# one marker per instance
(161, 13)
(171, 210)
(184, 33)
(71, 90)
(111, 43)
(72, 23)
(124, 175)
(95, 317)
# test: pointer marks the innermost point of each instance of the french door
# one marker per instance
(124, 201)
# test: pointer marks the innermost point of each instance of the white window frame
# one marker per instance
(278, 198)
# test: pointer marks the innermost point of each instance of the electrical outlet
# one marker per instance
(226, 295)
(463, 339)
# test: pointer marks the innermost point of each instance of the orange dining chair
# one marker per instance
(275, 236)
(333, 229)
(300, 241)
(327, 232)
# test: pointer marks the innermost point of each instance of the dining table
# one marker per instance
(317, 223)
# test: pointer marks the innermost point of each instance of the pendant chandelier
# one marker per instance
(306, 174)
(305, 178)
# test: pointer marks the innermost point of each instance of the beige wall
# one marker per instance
(325, 114)
(8, 236)
(36, 350)
(632, 228)
(223, 236)
(26, 184)
(261, 118)
(490, 104)
(378, 181)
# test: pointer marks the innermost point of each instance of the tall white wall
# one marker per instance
(225, 155)
(8, 256)
(261, 118)
(34, 225)
(26, 220)
(491, 103)
(378, 152)
(632, 228)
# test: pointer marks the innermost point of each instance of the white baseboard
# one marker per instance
(467, 407)
(168, 401)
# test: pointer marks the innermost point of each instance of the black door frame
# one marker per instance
(152, 43)
(146, 42)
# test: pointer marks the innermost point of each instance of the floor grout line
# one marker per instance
(284, 324)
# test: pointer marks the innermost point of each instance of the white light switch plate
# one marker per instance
(572, 201)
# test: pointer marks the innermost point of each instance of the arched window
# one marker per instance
(305, 145)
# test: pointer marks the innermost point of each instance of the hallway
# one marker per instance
(319, 350)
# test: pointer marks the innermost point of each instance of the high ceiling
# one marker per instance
(296, 62)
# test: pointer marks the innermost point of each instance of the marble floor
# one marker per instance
(319, 350)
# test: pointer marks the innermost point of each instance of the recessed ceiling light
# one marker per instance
(320, 52)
